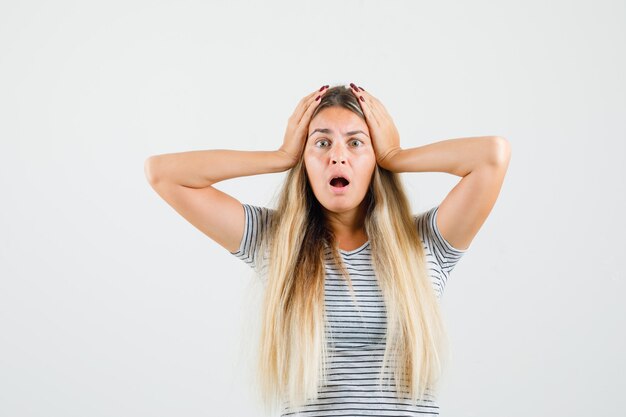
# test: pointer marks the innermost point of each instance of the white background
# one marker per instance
(111, 304)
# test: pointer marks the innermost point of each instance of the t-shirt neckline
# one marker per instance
(349, 252)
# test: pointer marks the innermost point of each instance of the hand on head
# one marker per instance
(384, 134)
(298, 125)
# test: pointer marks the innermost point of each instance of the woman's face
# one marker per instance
(338, 145)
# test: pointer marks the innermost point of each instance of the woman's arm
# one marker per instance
(458, 156)
(481, 161)
(184, 180)
(199, 169)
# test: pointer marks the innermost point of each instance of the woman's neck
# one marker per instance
(348, 228)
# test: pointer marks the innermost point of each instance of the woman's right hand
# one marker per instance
(298, 126)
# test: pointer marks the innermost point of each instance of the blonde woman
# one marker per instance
(351, 322)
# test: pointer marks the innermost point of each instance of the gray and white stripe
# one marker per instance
(357, 338)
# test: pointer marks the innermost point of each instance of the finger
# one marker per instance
(307, 99)
(307, 102)
(380, 108)
(306, 116)
(366, 105)
(377, 108)
(302, 104)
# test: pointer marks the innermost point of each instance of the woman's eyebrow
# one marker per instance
(325, 130)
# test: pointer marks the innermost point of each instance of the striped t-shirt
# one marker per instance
(358, 337)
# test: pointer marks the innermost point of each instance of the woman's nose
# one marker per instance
(338, 159)
(338, 156)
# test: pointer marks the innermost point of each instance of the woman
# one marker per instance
(353, 279)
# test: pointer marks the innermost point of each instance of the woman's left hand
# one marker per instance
(383, 133)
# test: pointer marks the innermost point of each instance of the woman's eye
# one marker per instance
(319, 142)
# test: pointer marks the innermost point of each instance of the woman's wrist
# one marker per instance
(286, 160)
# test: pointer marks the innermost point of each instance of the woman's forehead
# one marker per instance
(340, 125)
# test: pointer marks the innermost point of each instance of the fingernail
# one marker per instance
(323, 87)
(354, 87)
(362, 89)
(361, 97)
(316, 98)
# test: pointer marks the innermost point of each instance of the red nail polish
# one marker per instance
(317, 98)
(322, 88)
(362, 89)
(361, 97)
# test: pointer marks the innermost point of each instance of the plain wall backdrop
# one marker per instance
(112, 304)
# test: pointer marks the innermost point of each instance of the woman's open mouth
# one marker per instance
(339, 185)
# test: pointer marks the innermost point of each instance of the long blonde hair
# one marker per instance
(293, 352)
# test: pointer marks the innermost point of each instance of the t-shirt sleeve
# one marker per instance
(255, 225)
(441, 251)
